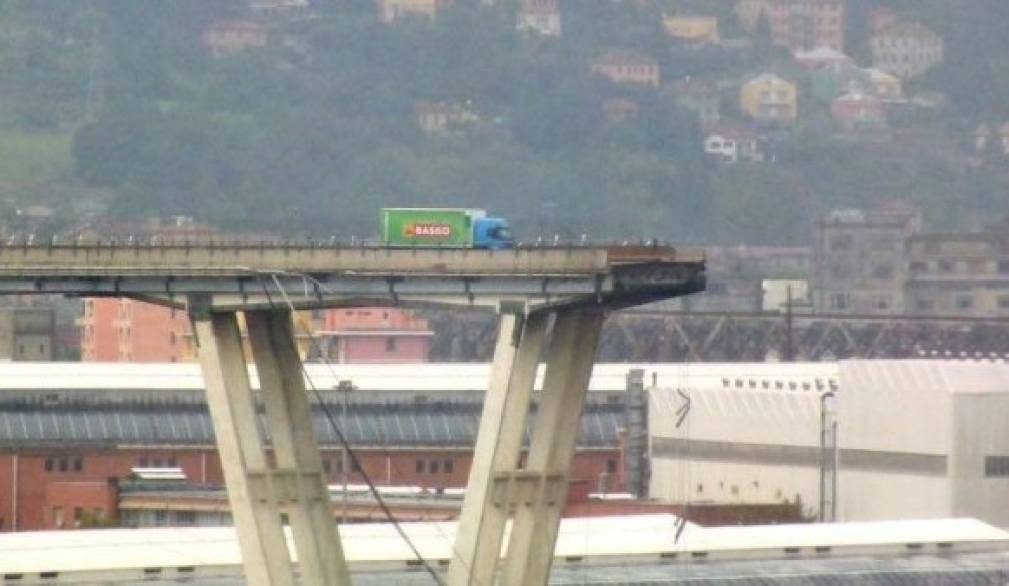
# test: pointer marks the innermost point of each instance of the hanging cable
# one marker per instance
(320, 286)
(341, 437)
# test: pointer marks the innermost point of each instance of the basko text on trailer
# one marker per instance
(444, 227)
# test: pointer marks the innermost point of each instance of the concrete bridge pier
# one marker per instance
(500, 488)
(263, 492)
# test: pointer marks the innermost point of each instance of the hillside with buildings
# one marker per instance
(736, 121)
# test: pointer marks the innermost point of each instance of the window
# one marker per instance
(996, 466)
(185, 518)
(161, 518)
(918, 266)
(842, 242)
(142, 463)
(839, 301)
(611, 466)
(78, 464)
(390, 344)
(882, 271)
(171, 463)
(419, 468)
(326, 467)
(49, 465)
(432, 467)
(58, 517)
(1003, 266)
(964, 302)
(1003, 302)
(945, 265)
(64, 465)
(448, 466)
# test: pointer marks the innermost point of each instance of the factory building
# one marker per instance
(916, 439)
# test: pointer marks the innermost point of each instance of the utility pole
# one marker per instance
(345, 387)
(789, 347)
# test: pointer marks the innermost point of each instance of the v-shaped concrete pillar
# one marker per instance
(258, 492)
(498, 487)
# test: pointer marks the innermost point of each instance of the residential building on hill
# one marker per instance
(392, 10)
(279, 8)
(232, 36)
(858, 111)
(692, 30)
(886, 87)
(822, 57)
(769, 99)
(797, 24)
(732, 143)
(444, 117)
(906, 49)
(627, 67)
(540, 16)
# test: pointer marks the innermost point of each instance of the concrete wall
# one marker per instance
(980, 431)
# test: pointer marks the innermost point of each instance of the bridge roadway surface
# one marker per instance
(244, 275)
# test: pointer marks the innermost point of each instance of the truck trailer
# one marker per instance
(444, 227)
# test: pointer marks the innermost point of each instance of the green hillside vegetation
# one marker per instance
(316, 131)
(32, 157)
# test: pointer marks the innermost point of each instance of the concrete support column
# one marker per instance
(298, 475)
(540, 491)
(498, 448)
(240, 447)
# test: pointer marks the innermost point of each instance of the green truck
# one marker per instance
(444, 227)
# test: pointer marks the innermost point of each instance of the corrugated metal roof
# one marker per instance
(944, 376)
(433, 423)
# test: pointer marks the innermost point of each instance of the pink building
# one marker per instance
(124, 330)
(858, 111)
(373, 334)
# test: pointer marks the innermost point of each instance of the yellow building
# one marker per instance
(696, 30)
(770, 99)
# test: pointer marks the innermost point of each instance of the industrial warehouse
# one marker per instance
(754, 437)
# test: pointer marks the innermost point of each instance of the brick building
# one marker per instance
(125, 330)
(74, 432)
(372, 334)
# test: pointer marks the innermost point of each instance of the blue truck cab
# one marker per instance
(492, 234)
